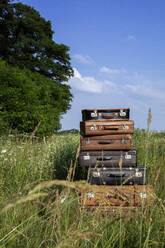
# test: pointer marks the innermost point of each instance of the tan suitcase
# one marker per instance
(106, 142)
(124, 196)
(99, 127)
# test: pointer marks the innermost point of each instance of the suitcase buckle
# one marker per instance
(126, 127)
(123, 141)
(128, 156)
(94, 114)
(90, 195)
(138, 174)
(86, 157)
(96, 174)
(94, 127)
(122, 113)
(87, 142)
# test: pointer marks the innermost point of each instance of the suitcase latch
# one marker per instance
(87, 142)
(86, 157)
(138, 174)
(128, 156)
(94, 127)
(126, 127)
(122, 113)
(94, 114)
(123, 141)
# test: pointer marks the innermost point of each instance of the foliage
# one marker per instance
(27, 98)
(35, 92)
(26, 40)
(34, 213)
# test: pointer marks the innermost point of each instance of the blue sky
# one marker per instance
(117, 50)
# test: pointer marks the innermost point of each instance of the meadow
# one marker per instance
(35, 214)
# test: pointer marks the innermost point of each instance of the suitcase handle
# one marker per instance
(105, 142)
(107, 116)
(111, 128)
(103, 158)
(116, 174)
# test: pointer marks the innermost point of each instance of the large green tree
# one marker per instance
(26, 98)
(35, 90)
(27, 40)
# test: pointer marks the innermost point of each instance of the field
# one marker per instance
(33, 212)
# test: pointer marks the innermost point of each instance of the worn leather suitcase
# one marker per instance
(118, 176)
(113, 196)
(106, 142)
(102, 114)
(105, 127)
(107, 158)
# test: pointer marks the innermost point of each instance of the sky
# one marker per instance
(117, 50)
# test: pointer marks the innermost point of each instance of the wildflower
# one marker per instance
(3, 151)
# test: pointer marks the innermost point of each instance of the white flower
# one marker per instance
(3, 151)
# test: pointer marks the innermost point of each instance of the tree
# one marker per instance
(27, 97)
(27, 41)
(36, 91)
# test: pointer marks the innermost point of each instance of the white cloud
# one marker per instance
(88, 84)
(83, 59)
(133, 85)
(112, 72)
(146, 90)
(131, 37)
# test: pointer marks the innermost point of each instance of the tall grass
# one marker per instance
(36, 213)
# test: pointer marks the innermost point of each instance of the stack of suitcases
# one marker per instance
(105, 149)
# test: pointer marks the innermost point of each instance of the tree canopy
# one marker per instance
(27, 97)
(34, 90)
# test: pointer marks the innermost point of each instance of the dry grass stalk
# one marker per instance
(35, 130)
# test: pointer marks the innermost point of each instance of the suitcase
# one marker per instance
(102, 114)
(117, 176)
(107, 158)
(106, 142)
(100, 127)
(113, 196)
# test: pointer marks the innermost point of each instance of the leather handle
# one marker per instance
(111, 128)
(104, 142)
(103, 158)
(107, 116)
(116, 174)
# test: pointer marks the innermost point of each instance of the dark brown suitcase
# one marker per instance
(107, 159)
(102, 114)
(136, 195)
(118, 176)
(100, 127)
(106, 142)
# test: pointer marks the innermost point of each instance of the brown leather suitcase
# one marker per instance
(106, 142)
(105, 127)
(108, 159)
(102, 114)
(123, 196)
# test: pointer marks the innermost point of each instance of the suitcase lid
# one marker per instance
(116, 109)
